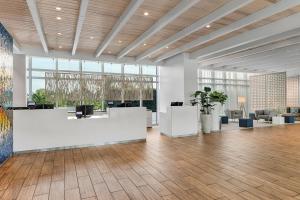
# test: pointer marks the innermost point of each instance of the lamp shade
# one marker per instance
(241, 99)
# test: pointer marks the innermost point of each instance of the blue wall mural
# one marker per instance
(6, 70)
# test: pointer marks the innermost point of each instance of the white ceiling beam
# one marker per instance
(239, 70)
(32, 5)
(272, 61)
(38, 52)
(182, 7)
(286, 24)
(80, 21)
(123, 19)
(265, 63)
(268, 64)
(255, 51)
(275, 53)
(283, 66)
(255, 44)
(286, 66)
(199, 24)
(255, 17)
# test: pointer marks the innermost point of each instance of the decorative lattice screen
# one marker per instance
(78, 87)
(268, 91)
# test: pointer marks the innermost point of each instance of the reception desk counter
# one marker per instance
(179, 121)
(49, 129)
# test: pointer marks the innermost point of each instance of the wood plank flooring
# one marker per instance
(262, 163)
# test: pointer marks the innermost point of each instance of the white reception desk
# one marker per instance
(54, 128)
(179, 121)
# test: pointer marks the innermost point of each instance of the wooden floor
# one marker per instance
(263, 163)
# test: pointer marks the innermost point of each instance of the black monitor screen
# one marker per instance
(121, 105)
(177, 103)
(48, 106)
(85, 109)
(173, 103)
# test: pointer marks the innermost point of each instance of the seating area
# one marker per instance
(234, 119)
(264, 114)
(234, 114)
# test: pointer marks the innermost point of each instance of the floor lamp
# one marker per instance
(241, 102)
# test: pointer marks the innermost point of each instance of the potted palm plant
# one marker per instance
(203, 99)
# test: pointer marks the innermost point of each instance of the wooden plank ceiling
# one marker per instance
(102, 15)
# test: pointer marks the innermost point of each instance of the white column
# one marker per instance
(122, 92)
(30, 78)
(141, 93)
(19, 80)
(190, 78)
(171, 82)
(178, 80)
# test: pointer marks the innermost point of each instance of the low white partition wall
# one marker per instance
(179, 121)
(49, 129)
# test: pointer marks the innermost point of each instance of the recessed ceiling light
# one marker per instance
(120, 41)
(207, 26)
(59, 33)
(145, 44)
(91, 37)
(58, 8)
(58, 18)
(146, 13)
(60, 46)
(167, 47)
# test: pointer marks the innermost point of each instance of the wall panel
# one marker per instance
(268, 91)
(6, 94)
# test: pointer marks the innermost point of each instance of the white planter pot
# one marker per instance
(206, 123)
(216, 112)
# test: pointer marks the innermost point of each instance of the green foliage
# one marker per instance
(203, 98)
(216, 96)
(206, 98)
(39, 97)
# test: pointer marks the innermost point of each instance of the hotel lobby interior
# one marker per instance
(149, 99)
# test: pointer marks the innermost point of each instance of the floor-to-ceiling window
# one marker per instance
(38, 66)
(234, 84)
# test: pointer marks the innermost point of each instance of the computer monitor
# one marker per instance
(48, 106)
(85, 109)
(126, 104)
(121, 105)
(177, 103)
(110, 104)
(44, 106)
(31, 105)
(173, 103)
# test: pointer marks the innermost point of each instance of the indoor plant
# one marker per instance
(203, 99)
(218, 98)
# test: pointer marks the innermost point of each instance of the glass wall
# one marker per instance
(234, 84)
(37, 66)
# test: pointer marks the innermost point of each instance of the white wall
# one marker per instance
(19, 80)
